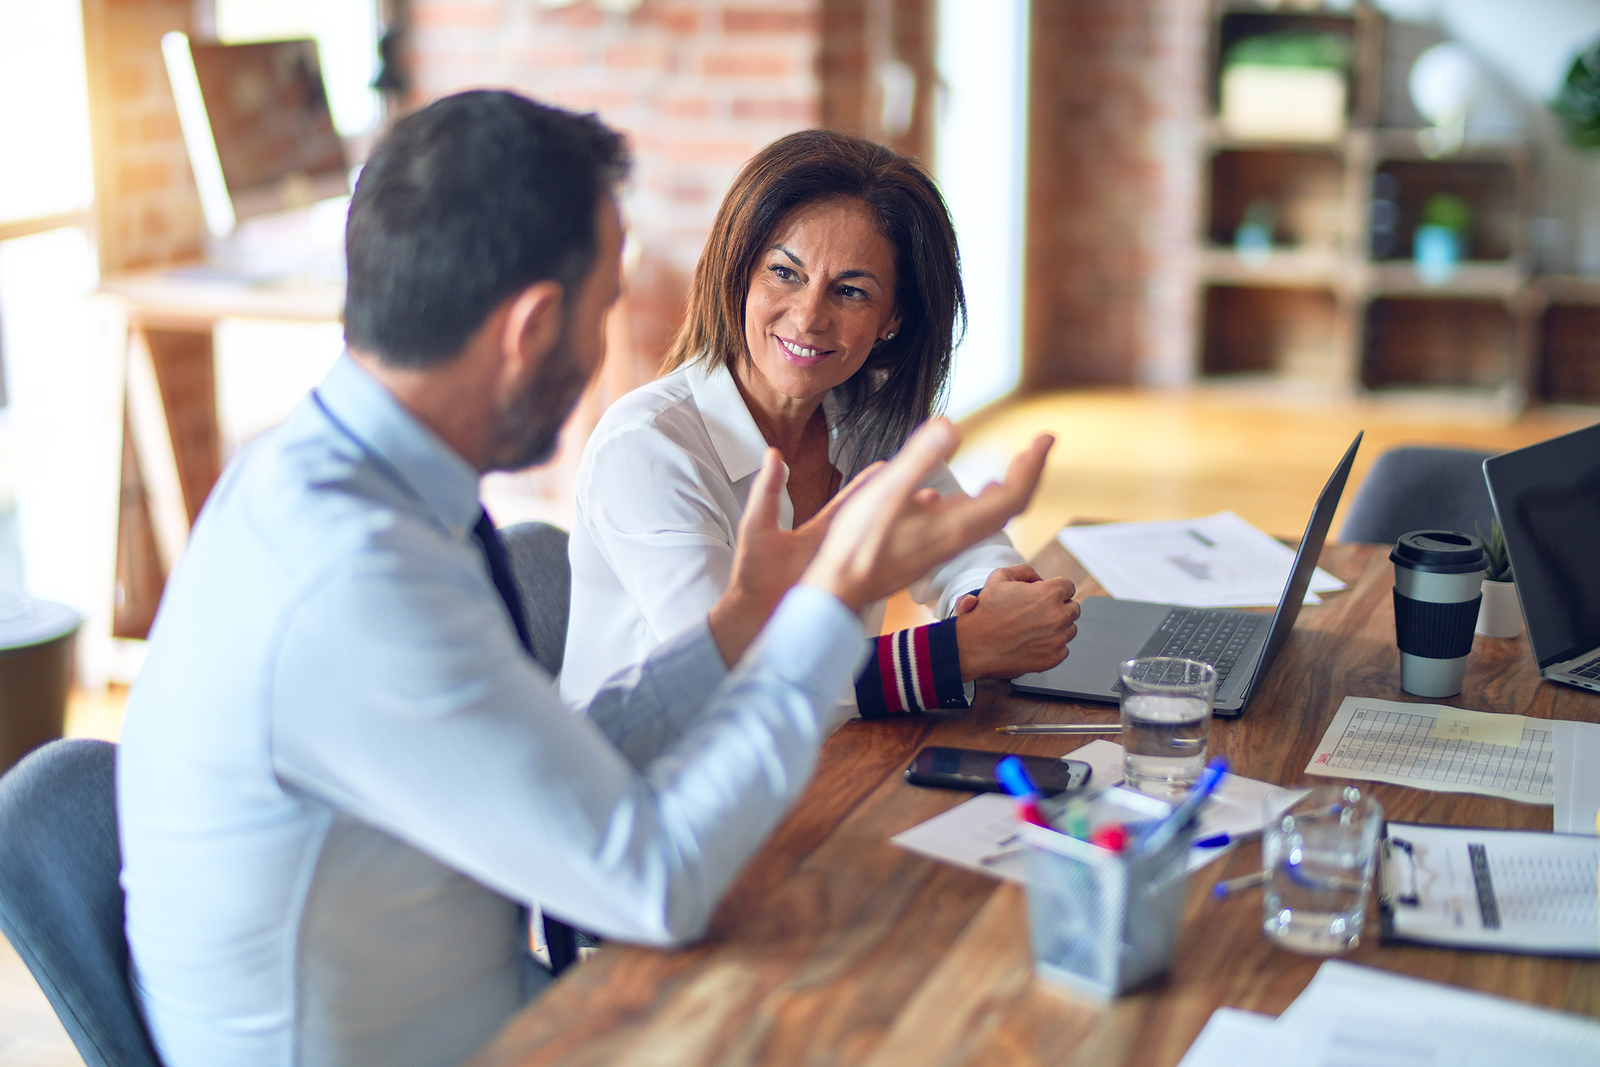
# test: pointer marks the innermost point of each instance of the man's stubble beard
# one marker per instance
(528, 430)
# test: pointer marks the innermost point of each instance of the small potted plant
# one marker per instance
(1500, 615)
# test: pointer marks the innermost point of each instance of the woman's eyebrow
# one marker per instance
(842, 275)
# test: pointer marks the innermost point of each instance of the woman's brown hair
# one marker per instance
(903, 380)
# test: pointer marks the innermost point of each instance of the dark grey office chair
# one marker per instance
(61, 904)
(1417, 488)
(539, 561)
(538, 554)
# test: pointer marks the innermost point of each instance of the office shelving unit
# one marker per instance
(1337, 303)
(1564, 336)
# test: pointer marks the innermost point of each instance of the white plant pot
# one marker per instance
(1500, 615)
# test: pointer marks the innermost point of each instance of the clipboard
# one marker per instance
(1514, 891)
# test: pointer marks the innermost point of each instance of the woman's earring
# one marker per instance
(889, 336)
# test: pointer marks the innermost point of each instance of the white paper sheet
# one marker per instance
(1390, 741)
(1219, 561)
(1228, 1035)
(1577, 775)
(984, 826)
(1360, 1015)
(1508, 890)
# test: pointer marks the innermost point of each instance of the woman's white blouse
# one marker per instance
(661, 488)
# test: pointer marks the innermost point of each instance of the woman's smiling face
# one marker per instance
(821, 295)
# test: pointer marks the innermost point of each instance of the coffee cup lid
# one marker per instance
(25, 622)
(1439, 551)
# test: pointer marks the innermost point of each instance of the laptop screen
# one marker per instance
(1547, 497)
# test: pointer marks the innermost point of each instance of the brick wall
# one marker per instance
(1115, 112)
(858, 37)
(147, 207)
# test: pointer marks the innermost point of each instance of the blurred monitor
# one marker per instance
(256, 122)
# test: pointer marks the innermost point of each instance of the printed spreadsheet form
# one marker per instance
(1429, 746)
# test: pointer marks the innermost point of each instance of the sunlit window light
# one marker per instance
(44, 111)
(346, 32)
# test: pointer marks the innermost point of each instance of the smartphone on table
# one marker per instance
(973, 770)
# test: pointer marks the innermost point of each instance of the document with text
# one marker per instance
(1505, 890)
(1219, 561)
(1351, 1015)
(1449, 750)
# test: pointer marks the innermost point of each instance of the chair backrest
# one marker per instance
(61, 903)
(538, 554)
(1415, 488)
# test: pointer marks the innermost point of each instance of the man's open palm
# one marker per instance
(889, 533)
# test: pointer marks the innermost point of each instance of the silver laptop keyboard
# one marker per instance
(1590, 669)
(1214, 637)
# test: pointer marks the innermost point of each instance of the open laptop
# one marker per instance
(1240, 644)
(1547, 498)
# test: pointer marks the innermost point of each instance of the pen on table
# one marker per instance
(1202, 538)
(1168, 828)
(1233, 885)
(1015, 778)
(1061, 728)
(1224, 840)
(1003, 852)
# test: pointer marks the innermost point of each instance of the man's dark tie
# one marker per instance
(558, 935)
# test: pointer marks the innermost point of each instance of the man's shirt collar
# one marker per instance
(401, 446)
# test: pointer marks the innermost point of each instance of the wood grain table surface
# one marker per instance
(836, 947)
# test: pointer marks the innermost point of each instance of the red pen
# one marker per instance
(1113, 837)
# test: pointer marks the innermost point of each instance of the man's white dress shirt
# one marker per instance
(660, 492)
(341, 773)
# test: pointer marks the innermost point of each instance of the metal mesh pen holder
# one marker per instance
(1103, 922)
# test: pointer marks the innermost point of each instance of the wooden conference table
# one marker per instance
(837, 947)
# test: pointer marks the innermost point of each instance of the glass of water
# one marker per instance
(1318, 856)
(1166, 723)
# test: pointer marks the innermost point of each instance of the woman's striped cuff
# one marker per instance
(912, 670)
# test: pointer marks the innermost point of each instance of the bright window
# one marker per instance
(347, 42)
(44, 111)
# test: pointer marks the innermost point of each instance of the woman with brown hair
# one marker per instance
(821, 323)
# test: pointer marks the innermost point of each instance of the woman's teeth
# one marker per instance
(803, 353)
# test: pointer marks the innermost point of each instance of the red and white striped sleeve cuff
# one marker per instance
(912, 670)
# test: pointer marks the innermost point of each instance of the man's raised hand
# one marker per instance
(890, 533)
(768, 559)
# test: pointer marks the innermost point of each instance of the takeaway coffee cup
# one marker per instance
(1438, 584)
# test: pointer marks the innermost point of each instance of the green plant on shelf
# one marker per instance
(1324, 51)
(1448, 210)
(1578, 100)
(1494, 546)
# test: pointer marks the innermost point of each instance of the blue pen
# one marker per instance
(1168, 828)
(1224, 840)
(1015, 778)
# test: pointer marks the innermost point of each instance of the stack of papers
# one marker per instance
(1219, 561)
(1577, 786)
(1358, 1015)
(981, 834)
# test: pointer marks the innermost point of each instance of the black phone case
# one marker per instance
(984, 784)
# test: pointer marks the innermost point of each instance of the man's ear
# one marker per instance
(532, 327)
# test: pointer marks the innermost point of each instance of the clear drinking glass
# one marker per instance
(1318, 856)
(1166, 722)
